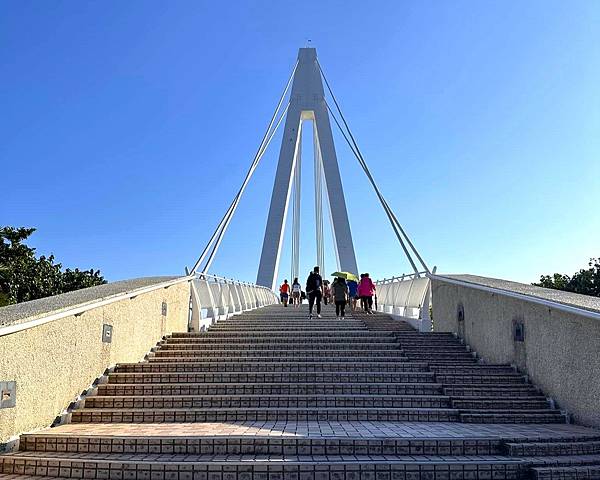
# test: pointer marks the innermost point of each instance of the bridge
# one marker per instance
(204, 377)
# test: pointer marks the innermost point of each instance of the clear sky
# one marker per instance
(127, 127)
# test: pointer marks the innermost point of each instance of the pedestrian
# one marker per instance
(352, 293)
(296, 293)
(284, 293)
(326, 292)
(360, 292)
(339, 290)
(314, 291)
(366, 289)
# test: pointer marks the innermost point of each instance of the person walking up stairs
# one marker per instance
(314, 290)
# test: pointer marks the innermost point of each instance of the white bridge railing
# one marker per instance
(217, 298)
(407, 296)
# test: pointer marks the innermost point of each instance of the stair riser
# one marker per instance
(280, 353)
(282, 334)
(334, 377)
(272, 367)
(438, 356)
(314, 323)
(470, 370)
(485, 392)
(263, 446)
(376, 415)
(511, 418)
(553, 449)
(427, 350)
(276, 389)
(283, 346)
(298, 359)
(499, 404)
(591, 472)
(273, 341)
(479, 380)
(272, 402)
(231, 470)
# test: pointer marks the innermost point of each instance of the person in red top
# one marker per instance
(284, 293)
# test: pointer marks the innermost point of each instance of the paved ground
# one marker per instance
(327, 429)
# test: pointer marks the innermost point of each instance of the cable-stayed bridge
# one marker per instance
(202, 377)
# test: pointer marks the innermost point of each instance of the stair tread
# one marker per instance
(319, 395)
(243, 409)
(256, 458)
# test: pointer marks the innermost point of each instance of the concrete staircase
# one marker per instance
(272, 395)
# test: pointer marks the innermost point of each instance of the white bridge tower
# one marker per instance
(307, 102)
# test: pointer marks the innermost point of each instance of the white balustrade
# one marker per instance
(216, 298)
(406, 297)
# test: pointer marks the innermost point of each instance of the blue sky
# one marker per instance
(127, 127)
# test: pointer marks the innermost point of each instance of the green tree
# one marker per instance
(586, 281)
(558, 281)
(25, 277)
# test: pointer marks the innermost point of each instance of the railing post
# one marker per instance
(425, 323)
(196, 314)
(215, 308)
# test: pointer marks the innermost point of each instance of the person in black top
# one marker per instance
(314, 290)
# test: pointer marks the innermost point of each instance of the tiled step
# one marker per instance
(287, 377)
(315, 323)
(581, 472)
(269, 340)
(328, 324)
(497, 390)
(512, 417)
(453, 362)
(240, 467)
(300, 359)
(281, 333)
(280, 353)
(573, 466)
(414, 335)
(255, 367)
(469, 369)
(314, 345)
(538, 449)
(426, 340)
(433, 348)
(480, 379)
(272, 389)
(258, 445)
(491, 403)
(261, 329)
(186, 415)
(268, 401)
(438, 356)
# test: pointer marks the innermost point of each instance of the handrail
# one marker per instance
(520, 296)
(403, 277)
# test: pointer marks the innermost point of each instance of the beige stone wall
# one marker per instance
(54, 362)
(561, 351)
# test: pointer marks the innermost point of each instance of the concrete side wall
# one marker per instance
(560, 352)
(54, 362)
